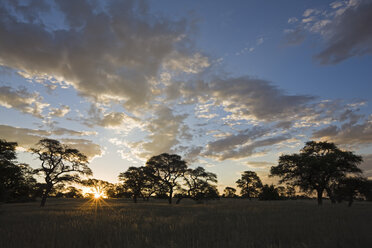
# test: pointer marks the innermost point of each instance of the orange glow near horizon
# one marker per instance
(91, 192)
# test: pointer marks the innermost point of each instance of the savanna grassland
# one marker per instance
(223, 223)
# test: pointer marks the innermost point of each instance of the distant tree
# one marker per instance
(72, 192)
(229, 192)
(97, 186)
(281, 191)
(367, 190)
(199, 185)
(118, 191)
(350, 187)
(249, 184)
(16, 180)
(168, 169)
(59, 163)
(316, 166)
(57, 191)
(134, 180)
(269, 193)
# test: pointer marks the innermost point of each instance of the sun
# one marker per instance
(97, 195)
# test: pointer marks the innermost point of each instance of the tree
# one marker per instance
(316, 166)
(168, 169)
(117, 191)
(269, 193)
(59, 163)
(290, 192)
(198, 184)
(72, 192)
(229, 192)
(98, 187)
(135, 180)
(367, 190)
(16, 180)
(249, 184)
(349, 187)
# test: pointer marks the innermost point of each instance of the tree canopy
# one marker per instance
(249, 184)
(168, 169)
(16, 181)
(59, 163)
(316, 166)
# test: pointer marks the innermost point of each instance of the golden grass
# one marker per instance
(224, 223)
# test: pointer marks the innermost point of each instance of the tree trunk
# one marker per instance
(331, 195)
(135, 199)
(320, 196)
(45, 196)
(43, 199)
(170, 196)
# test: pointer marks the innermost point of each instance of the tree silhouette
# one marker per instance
(229, 192)
(59, 163)
(290, 192)
(198, 185)
(98, 186)
(72, 192)
(367, 190)
(249, 184)
(136, 181)
(16, 181)
(269, 193)
(168, 169)
(316, 166)
(349, 187)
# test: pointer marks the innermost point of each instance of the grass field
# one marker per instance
(224, 223)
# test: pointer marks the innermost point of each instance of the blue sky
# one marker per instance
(229, 85)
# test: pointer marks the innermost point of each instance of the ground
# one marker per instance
(224, 223)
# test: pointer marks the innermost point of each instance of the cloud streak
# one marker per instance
(345, 29)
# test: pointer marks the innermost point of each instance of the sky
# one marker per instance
(228, 85)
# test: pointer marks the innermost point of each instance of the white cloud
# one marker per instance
(27, 138)
(345, 29)
(22, 100)
(106, 53)
(60, 112)
(189, 64)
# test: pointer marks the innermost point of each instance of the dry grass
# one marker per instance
(225, 223)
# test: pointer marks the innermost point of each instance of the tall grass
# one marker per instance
(225, 223)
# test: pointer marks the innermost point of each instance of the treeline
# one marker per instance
(320, 167)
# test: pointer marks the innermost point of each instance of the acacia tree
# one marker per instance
(316, 166)
(168, 169)
(249, 184)
(136, 181)
(229, 192)
(349, 187)
(269, 193)
(59, 164)
(199, 185)
(16, 181)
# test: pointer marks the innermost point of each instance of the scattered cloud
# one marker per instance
(245, 150)
(189, 64)
(59, 112)
(345, 29)
(348, 133)
(366, 165)
(164, 130)
(110, 52)
(27, 138)
(22, 100)
(248, 98)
